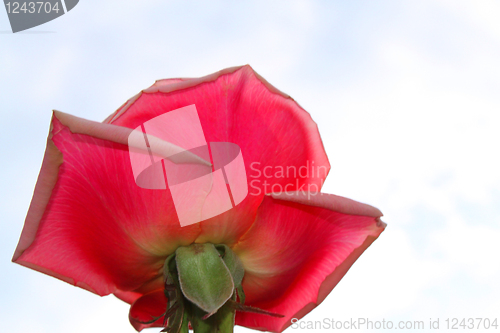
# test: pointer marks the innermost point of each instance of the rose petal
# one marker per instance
(295, 253)
(98, 230)
(237, 105)
(131, 296)
(146, 308)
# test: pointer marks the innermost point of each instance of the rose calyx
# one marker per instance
(203, 290)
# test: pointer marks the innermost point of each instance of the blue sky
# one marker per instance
(405, 95)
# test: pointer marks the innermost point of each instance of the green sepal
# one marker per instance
(185, 323)
(204, 278)
(245, 308)
(241, 294)
(179, 321)
(232, 262)
(171, 280)
(235, 266)
(169, 268)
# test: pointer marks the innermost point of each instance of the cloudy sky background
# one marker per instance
(406, 96)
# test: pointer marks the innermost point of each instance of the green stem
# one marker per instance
(220, 322)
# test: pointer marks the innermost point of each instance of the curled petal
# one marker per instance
(147, 308)
(121, 135)
(298, 250)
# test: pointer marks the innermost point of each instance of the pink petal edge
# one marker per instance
(329, 201)
(46, 181)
